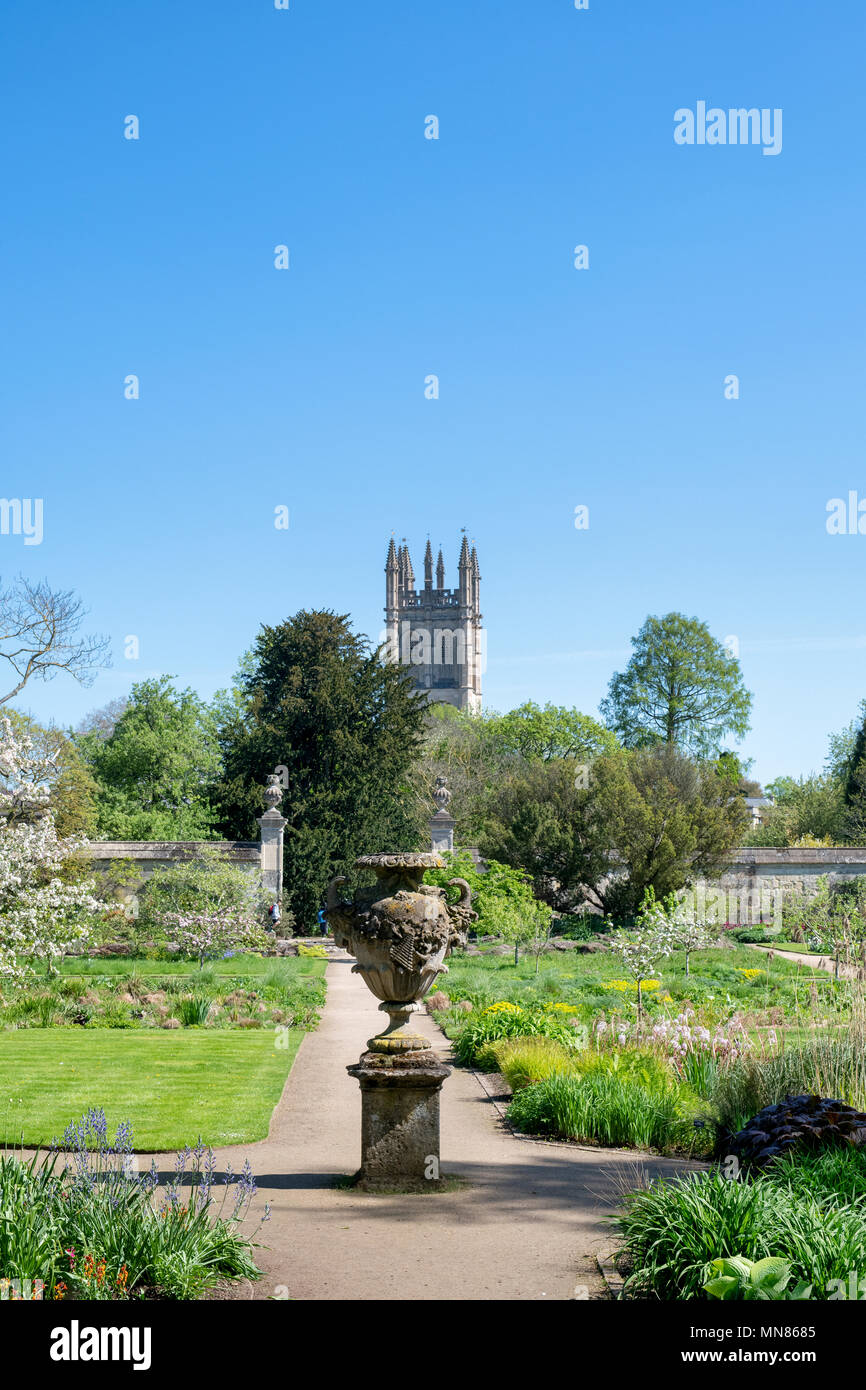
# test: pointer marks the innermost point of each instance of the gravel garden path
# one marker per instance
(526, 1222)
(825, 963)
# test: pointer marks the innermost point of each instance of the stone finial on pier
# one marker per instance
(442, 824)
(271, 826)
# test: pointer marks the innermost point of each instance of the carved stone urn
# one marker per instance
(399, 931)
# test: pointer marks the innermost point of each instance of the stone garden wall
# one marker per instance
(130, 863)
(793, 870)
(757, 882)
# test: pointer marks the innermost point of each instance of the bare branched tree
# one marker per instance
(39, 629)
(102, 721)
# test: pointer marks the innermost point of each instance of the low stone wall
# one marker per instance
(133, 861)
(792, 870)
(756, 883)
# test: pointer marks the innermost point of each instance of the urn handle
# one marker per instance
(332, 900)
(465, 899)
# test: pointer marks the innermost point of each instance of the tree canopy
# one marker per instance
(680, 687)
(154, 769)
(316, 700)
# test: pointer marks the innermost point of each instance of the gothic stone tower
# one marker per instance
(436, 631)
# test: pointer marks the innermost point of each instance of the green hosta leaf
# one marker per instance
(772, 1271)
(725, 1288)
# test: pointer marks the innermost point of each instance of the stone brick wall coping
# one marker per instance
(242, 850)
(828, 857)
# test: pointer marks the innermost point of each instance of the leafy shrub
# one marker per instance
(90, 1228)
(508, 1021)
(316, 951)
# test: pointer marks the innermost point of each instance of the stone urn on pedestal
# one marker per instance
(400, 931)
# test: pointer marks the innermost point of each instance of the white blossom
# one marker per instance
(41, 916)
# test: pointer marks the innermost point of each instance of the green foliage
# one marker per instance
(523, 1060)
(154, 768)
(502, 897)
(479, 753)
(675, 1231)
(314, 698)
(680, 687)
(808, 812)
(620, 1111)
(766, 1280)
(540, 818)
(538, 733)
(498, 1022)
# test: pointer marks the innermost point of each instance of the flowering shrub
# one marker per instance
(96, 1229)
(209, 935)
(41, 914)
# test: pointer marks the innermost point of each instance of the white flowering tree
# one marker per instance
(208, 906)
(680, 925)
(690, 933)
(640, 952)
(210, 935)
(41, 913)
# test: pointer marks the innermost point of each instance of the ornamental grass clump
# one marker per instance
(525, 1060)
(613, 1110)
(822, 1066)
(673, 1232)
(87, 1224)
(194, 1011)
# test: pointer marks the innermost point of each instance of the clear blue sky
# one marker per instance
(559, 387)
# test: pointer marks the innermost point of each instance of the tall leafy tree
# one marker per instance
(479, 754)
(539, 819)
(681, 687)
(543, 733)
(155, 767)
(316, 699)
(665, 820)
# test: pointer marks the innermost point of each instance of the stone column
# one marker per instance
(441, 824)
(271, 826)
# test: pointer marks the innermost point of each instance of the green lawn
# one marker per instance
(172, 1087)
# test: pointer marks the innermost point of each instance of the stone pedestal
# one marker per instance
(271, 827)
(442, 833)
(399, 1119)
